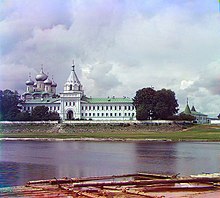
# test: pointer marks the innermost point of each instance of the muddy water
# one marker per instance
(21, 161)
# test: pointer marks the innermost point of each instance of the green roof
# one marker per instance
(187, 110)
(109, 100)
(195, 113)
(193, 109)
(44, 101)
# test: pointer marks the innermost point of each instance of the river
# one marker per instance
(21, 161)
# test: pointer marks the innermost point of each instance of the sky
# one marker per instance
(118, 46)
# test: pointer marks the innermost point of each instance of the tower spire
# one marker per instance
(73, 66)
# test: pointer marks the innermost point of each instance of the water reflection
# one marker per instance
(12, 173)
(22, 161)
(156, 157)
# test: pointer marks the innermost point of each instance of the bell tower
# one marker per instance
(71, 97)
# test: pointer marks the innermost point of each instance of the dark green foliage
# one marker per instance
(42, 113)
(23, 116)
(152, 104)
(182, 117)
(9, 105)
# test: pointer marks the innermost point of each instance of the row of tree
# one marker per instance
(10, 109)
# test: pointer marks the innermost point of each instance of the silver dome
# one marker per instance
(42, 76)
(29, 82)
(48, 81)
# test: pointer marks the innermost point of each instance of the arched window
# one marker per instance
(71, 87)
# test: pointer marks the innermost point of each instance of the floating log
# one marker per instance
(147, 182)
(157, 176)
(82, 179)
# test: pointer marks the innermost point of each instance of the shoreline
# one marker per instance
(103, 140)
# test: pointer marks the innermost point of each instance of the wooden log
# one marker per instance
(157, 176)
(82, 179)
(147, 182)
(183, 188)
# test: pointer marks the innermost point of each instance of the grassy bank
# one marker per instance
(159, 132)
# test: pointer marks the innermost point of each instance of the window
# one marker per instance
(89, 107)
(102, 107)
(125, 107)
(119, 107)
(58, 108)
(82, 107)
(93, 107)
(129, 107)
(98, 114)
(125, 114)
(50, 108)
(70, 103)
(71, 87)
(97, 107)
(129, 114)
(106, 114)
(82, 114)
(54, 108)
(119, 114)
(85, 114)
(115, 114)
(66, 104)
(110, 107)
(102, 114)
(94, 114)
(115, 107)
(106, 107)
(89, 114)
(86, 107)
(110, 114)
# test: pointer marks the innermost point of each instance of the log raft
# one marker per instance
(126, 185)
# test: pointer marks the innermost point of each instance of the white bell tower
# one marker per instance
(71, 97)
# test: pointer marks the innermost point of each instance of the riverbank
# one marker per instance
(110, 132)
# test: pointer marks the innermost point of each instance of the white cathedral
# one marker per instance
(72, 103)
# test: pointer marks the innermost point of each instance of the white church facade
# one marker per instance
(72, 103)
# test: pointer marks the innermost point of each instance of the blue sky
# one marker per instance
(119, 46)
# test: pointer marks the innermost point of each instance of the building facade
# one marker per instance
(72, 103)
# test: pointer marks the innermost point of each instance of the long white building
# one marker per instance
(73, 103)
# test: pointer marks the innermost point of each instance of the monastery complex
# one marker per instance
(73, 103)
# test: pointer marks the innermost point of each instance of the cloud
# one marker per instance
(118, 46)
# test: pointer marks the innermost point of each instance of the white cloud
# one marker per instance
(118, 46)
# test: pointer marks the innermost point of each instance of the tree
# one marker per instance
(9, 105)
(42, 113)
(165, 104)
(23, 116)
(152, 104)
(144, 103)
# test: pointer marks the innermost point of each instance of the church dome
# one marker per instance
(42, 76)
(47, 82)
(53, 84)
(29, 82)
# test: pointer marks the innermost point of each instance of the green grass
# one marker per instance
(195, 133)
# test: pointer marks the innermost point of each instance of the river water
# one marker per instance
(21, 161)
